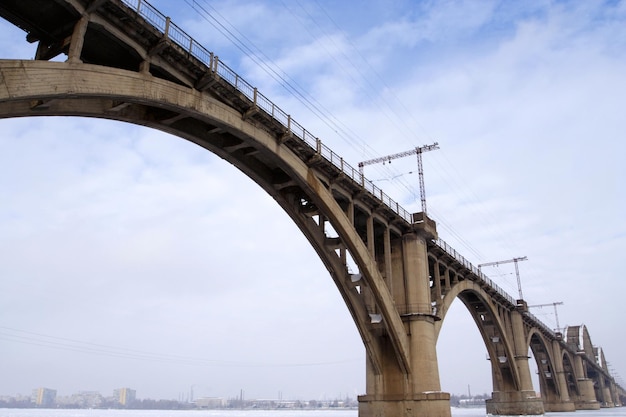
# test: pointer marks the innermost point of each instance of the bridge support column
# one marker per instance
(515, 403)
(615, 395)
(587, 399)
(587, 396)
(430, 404)
(77, 41)
(523, 401)
(564, 402)
(607, 401)
(419, 393)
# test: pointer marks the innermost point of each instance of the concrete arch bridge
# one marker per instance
(128, 62)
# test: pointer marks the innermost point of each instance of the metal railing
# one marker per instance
(482, 277)
(467, 264)
(188, 44)
(170, 31)
(174, 33)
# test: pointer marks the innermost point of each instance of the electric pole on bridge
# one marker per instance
(514, 260)
(418, 150)
(556, 315)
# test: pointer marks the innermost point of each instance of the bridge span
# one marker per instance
(126, 61)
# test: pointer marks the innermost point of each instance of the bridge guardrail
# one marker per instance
(183, 40)
(467, 264)
(188, 44)
(452, 252)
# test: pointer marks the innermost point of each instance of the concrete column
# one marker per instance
(614, 394)
(422, 392)
(416, 270)
(607, 401)
(587, 399)
(421, 324)
(523, 401)
(437, 279)
(144, 66)
(447, 279)
(564, 403)
(78, 39)
(370, 236)
(387, 256)
(350, 211)
(521, 353)
(398, 284)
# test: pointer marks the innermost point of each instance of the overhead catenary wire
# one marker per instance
(275, 72)
(245, 45)
(451, 178)
(256, 55)
(448, 178)
(10, 334)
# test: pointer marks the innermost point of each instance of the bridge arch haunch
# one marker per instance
(553, 384)
(502, 330)
(291, 173)
(488, 320)
(128, 62)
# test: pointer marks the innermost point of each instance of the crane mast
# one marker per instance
(418, 150)
(556, 314)
(515, 261)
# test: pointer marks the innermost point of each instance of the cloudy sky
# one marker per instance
(132, 258)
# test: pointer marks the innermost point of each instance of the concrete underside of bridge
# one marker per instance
(406, 279)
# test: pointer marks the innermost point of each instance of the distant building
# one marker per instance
(210, 402)
(471, 402)
(85, 399)
(124, 396)
(44, 397)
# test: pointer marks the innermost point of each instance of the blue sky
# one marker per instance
(121, 236)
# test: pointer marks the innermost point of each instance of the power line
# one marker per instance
(263, 61)
(74, 345)
(275, 72)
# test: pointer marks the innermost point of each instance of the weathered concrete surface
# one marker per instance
(120, 67)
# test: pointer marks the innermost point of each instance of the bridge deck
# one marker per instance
(126, 27)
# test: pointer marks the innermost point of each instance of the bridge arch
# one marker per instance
(547, 369)
(312, 189)
(152, 74)
(488, 318)
(67, 89)
(570, 374)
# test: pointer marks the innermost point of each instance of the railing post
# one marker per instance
(254, 95)
(138, 6)
(167, 27)
(318, 146)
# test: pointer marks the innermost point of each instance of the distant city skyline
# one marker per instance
(43, 397)
(128, 253)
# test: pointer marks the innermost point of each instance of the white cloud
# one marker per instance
(151, 243)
